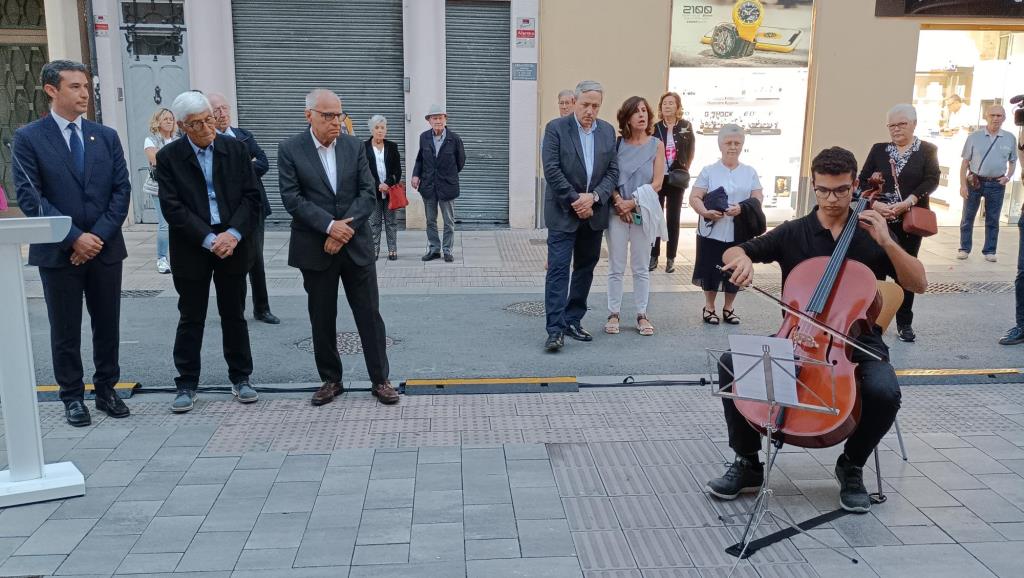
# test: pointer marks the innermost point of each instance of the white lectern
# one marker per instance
(28, 479)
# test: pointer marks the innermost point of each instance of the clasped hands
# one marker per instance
(339, 234)
(732, 211)
(624, 208)
(584, 205)
(224, 245)
(85, 248)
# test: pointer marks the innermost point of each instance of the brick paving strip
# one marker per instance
(601, 483)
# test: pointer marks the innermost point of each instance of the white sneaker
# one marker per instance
(990, 258)
(162, 266)
(961, 255)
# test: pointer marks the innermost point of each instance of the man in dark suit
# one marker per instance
(210, 198)
(65, 165)
(581, 173)
(327, 188)
(258, 275)
(436, 176)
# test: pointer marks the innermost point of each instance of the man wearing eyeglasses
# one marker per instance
(834, 178)
(211, 200)
(327, 187)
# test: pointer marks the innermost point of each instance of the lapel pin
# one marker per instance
(92, 138)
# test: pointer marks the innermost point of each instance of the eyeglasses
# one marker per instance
(331, 116)
(839, 192)
(903, 124)
(198, 124)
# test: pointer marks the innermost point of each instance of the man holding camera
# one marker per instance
(989, 160)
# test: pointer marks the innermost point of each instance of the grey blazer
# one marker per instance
(308, 197)
(566, 174)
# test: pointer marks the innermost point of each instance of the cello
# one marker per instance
(827, 302)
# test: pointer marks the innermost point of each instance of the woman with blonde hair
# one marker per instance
(677, 137)
(161, 131)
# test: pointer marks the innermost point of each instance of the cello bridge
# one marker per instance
(803, 340)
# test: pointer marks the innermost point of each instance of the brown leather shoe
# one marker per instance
(327, 392)
(385, 393)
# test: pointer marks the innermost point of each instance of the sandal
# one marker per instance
(612, 326)
(730, 317)
(644, 329)
(710, 317)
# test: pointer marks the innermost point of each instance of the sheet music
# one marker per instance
(753, 383)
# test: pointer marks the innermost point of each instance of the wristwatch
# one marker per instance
(737, 40)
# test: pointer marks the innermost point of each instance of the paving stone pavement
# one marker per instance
(602, 483)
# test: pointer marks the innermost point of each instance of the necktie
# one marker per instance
(77, 150)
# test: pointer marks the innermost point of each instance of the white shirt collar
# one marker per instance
(63, 123)
(319, 145)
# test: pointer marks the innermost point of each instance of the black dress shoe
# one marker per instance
(267, 317)
(554, 343)
(430, 256)
(448, 258)
(653, 264)
(77, 414)
(578, 333)
(110, 404)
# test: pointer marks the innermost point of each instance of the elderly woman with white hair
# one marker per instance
(910, 167)
(727, 186)
(386, 167)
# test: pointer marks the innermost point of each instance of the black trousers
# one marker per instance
(193, 302)
(258, 274)
(63, 289)
(911, 244)
(565, 296)
(880, 401)
(671, 199)
(360, 284)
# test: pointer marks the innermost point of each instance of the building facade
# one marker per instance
(498, 65)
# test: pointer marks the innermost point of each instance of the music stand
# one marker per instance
(769, 363)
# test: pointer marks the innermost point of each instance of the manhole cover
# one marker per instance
(348, 343)
(528, 308)
(140, 293)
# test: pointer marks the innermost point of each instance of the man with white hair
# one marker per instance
(260, 164)
(211, 200)
(435, 175)
(989, 161)
(566, 100)
(327, 187)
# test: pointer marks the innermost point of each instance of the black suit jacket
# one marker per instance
(920, 176)
(46, 185)
(260, 164)
(308, 198)
(439, 174)
(392, 164)
(186, 207)
(566, 173)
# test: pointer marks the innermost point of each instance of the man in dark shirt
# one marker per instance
(834, 179)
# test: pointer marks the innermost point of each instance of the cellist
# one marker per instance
(834, 179)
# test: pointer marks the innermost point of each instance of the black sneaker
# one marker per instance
(853, 496)
(906, 333)
(1013, 337)
(744, 475)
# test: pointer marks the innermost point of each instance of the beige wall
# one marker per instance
(590, 40)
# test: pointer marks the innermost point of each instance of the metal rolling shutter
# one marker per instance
(285, 48)
(477, 39)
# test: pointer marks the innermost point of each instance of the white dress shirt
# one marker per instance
(330, 163)
(378, 156)
(62, 124)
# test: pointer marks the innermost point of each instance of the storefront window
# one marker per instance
(959, 74)
(745, 62)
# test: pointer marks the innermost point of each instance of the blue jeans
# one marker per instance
(1019, 282)
(565, 301)
(993, 193)
(161, 230)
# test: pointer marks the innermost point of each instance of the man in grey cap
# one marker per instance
(436, 177)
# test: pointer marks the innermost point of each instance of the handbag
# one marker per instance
(678, 178)
(396, 197)
(972, 178)
(917, 221)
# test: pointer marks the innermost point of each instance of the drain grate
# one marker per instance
(140, 293)
(527, 308)
(972, 287)
(538, 241)
(348, 343)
